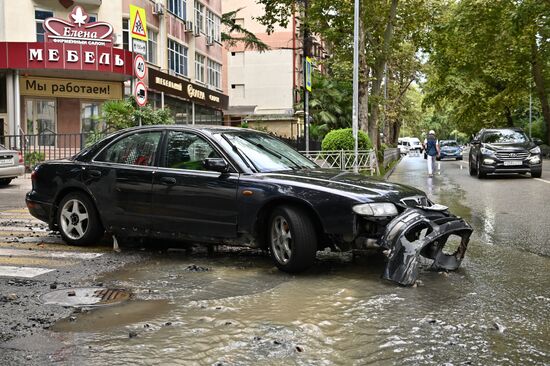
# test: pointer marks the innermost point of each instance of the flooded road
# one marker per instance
(238, 309)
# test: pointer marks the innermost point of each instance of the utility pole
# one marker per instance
(305, 54)
(355, 113)
(530, 107)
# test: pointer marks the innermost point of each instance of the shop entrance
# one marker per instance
(40, 116)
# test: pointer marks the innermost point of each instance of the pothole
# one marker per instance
(86, 296)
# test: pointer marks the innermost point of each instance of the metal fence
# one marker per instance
(344, 159)
(391, 154)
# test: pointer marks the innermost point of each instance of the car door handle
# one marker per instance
(94, 173)
(168, 181)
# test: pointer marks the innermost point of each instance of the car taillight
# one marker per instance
(20, 157)
(34, 175)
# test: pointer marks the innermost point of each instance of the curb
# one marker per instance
(390, 172)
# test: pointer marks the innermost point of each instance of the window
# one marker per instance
(90, 117)
(199, 67)
(152, 46)
(214, 74)
(177, 58)
(199, 17)
(177, 7)
(137, 149)
(213, 26)
(187, 151)
(92, 18)
(40, 16)
(125, 34)
(40, 115)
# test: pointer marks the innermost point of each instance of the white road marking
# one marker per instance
(25, 272)
(542, 180)
(5, 252)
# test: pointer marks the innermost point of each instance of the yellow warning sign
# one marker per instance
(138, 23)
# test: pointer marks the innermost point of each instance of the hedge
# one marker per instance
(343, 140)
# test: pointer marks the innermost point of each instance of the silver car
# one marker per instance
(11, 165)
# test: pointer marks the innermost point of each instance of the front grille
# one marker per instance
(512, 155)
(416, 201)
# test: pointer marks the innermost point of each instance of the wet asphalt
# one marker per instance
(235, 308)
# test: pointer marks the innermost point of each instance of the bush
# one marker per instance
(343, 140)
(33, 158)
(545, 150)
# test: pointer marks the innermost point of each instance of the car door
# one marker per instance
(120, 178)
(189, 201)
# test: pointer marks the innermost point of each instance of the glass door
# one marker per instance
(41, 121)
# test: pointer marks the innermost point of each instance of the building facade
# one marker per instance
(60, 60)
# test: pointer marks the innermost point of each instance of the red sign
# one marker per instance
(35, 55)
(140, 67)
(140, 92)
(77, 30)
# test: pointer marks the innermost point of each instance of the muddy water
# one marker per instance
(494, 311)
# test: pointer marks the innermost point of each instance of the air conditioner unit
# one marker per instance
(209, 40)
(188, 26)
(158, 8)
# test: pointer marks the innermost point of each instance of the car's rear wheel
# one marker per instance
(78, 220)
(292, 239)
(5, 181)
(536, 174)
(471, 167)
(480, 173)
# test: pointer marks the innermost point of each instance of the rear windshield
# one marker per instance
(504, 137)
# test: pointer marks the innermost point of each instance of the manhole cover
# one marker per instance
(85, 296)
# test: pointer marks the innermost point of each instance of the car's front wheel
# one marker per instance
(292, 239)
(536, 173)
(480, 173)
(78, 220)
(5, 181)
(472, 167)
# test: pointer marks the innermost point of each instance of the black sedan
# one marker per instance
(222, 185)
(505, 150)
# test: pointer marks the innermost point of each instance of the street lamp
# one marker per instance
(355, 112)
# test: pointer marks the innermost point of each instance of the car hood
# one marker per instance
(348, 183)
(510, 147)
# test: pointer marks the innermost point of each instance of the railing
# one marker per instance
(391, 154)
(344, 159)
(48, 146)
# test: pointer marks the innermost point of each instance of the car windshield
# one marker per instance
(504, 137)
(449, 143)
(267, 154)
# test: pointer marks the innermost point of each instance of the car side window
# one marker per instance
(136, 149)
(187, 150)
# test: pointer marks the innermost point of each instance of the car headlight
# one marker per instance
(375, 209)
(535, 150)
(486, 151)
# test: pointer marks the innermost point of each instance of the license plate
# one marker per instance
(512, 162)
(6, 161)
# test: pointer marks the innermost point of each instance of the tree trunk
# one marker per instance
(509, 119)
(540, 87)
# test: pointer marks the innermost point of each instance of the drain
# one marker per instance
(85, 296)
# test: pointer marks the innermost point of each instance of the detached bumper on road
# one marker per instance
(422, 232)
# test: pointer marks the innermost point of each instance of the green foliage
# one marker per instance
(342, 139)
(94, 137)
(237, 34)
(33, 158)
(119, 114)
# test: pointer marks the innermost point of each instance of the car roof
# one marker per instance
(204, 128)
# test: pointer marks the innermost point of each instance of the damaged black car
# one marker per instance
(221, 185)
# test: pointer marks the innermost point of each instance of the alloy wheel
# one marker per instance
(281, 240)
(74, 219)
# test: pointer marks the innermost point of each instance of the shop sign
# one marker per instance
(21, 55)
(69, 88)
(78, 30)
(181, 88)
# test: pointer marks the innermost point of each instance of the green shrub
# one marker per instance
(33, 158)
(343, 140)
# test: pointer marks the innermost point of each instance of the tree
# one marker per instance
(236, 34)
(119, 114)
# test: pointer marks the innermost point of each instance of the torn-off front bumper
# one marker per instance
(422, 232)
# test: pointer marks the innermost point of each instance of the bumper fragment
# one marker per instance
(422, 232)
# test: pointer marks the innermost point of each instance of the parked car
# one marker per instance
(238, 187)
(504, 150)
(449, 149)
(409, 144)
(11, 165)
(403, 146)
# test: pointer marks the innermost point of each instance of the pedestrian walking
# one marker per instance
(431, 146)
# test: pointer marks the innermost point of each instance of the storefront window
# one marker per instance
(177, 58)
(90, 117)
(199, 67)
(152, 46)
(40, 116)
(40, 16)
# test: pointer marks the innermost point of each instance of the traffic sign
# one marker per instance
(138, 23)
(140, 92)
(140, 67)
(139, 46)
(308, 74)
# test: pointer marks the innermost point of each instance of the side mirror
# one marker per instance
(537, 141)
(216, 164)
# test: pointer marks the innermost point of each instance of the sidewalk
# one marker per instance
(13, 195)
